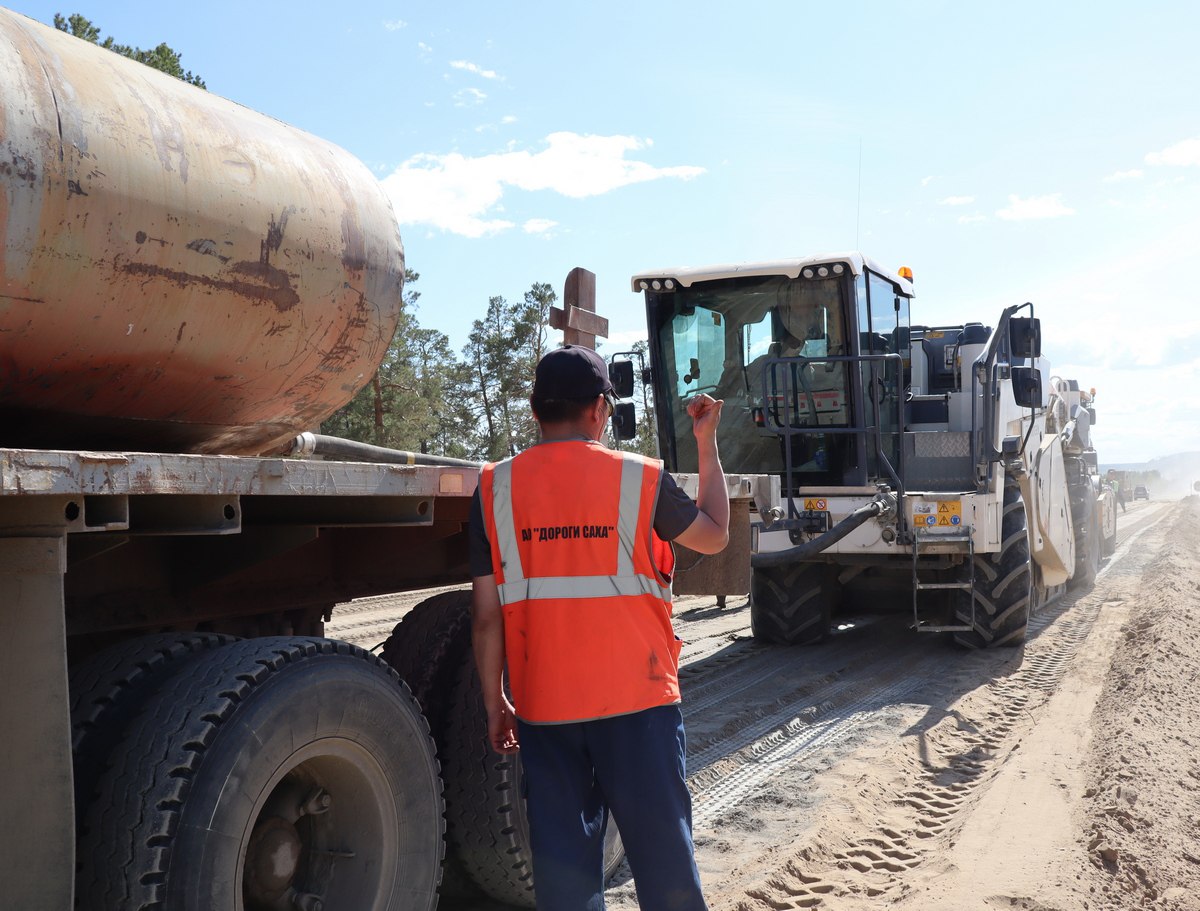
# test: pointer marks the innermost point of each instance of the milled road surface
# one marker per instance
(886, 767)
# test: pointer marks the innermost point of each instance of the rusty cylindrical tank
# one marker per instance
(177, 273)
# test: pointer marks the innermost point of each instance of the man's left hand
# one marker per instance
(502, 727)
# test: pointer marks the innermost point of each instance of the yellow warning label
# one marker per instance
(817, 504)
(942, 514)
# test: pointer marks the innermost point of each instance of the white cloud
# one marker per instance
(958, 200)
(473, 68)
(1181, 154)
(971, 219)
(538, 225)
(1117, 176)
(457, 194)
(468, 98)
(507, 119)
(424, 48)
(926, 181)
(394, 25)
(1050, 206)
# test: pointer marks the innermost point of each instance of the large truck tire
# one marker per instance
(276, 773)
(485, 810)
(1088, 546)
(1003, 583)
(792, 605)
(110, 687)
(427, 647)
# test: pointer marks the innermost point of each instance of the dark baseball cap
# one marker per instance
(571, 372)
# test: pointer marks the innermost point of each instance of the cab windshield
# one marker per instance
(725, 337)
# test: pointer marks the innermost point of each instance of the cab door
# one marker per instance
(883, 316)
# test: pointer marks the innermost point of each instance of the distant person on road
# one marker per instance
(572, 591)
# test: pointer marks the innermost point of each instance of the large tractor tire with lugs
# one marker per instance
(1089, 548)
(428, 646)
(1003, 583)
(1110, 539)
(486, 819)
(793, 604)
(108, 690)
(277, 772)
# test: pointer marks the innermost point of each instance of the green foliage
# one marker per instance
(424, 399)
(162, 58)
(501, 353)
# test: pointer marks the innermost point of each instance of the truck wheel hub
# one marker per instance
(272, 858)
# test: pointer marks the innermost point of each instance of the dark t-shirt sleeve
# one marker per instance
(479, 551)
(674, 512)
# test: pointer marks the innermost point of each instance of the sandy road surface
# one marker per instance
(890, 769)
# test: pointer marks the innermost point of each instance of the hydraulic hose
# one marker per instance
(316, 445)
(818, 544)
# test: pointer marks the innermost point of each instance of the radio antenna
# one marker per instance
(858, 208)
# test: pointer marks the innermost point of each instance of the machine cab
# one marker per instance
(810, 356)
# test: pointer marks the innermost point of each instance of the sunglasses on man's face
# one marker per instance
(611, 401)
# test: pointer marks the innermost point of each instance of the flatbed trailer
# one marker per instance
(97, 547)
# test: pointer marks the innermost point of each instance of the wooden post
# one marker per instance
(577, 317)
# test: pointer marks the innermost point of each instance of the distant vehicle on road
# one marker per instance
(1141, 493)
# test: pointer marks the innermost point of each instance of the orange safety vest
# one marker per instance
(584, 581)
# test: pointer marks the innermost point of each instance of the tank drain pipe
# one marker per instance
(818, 544)
(315, 445)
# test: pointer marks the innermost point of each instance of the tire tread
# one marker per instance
(127, 866)
(1002, 583)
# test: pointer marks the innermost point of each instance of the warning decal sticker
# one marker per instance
(940, 514)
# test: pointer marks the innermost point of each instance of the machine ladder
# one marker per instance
(967, 584)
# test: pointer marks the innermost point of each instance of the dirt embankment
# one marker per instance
(1142, 801)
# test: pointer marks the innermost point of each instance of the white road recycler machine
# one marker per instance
(937, 469)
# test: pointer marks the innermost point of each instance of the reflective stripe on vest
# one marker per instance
(581, 587)
(510, 556)
(595, 644)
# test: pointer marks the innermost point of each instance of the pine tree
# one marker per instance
(163, 58)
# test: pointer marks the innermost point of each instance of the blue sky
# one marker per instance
(1045, 152)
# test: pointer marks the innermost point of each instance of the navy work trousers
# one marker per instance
(633, 765)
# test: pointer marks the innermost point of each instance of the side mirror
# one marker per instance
(620, 374)
(1092, 414)
(1027, 387)
(1025, 337)
(624, 421)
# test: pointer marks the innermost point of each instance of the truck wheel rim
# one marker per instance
(324, 833)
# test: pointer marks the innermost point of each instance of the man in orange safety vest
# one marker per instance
(572, 593)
